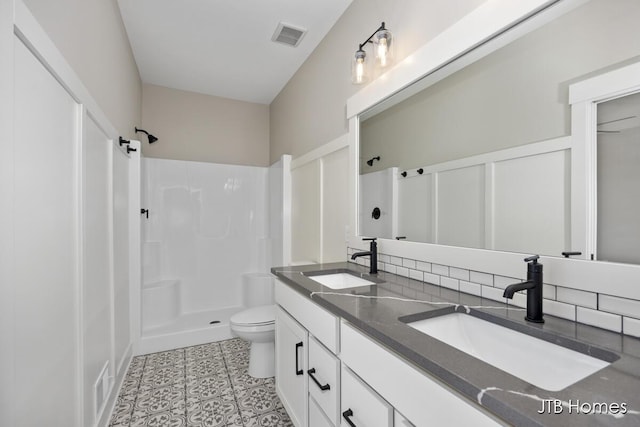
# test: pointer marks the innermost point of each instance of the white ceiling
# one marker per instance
(224, 47)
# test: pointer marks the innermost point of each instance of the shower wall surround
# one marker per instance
(208, 223)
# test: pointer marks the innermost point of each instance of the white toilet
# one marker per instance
(257, 323)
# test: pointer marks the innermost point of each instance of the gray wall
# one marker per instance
(517, 95)
(193, 126)
(310, 110)
(91, 37)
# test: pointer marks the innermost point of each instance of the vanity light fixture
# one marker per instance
(382, 42)
(370, 162)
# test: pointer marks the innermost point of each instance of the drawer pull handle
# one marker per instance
(298, 371)
(315, 380)
(346, 414)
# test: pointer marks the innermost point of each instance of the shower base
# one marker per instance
(189, 329)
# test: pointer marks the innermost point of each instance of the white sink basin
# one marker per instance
(341, 280)
(538, 362)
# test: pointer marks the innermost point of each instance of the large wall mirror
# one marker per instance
(482, 157)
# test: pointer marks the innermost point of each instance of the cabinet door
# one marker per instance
(317, 418)
(400, 421)
(361, 405)
(324, 367)
(291, 365)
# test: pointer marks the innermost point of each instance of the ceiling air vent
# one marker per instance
(288, 34)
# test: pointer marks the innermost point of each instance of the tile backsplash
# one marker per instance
(595, 309)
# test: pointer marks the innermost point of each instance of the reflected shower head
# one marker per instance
(152, 138)
(370, 162)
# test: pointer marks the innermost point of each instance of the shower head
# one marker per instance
(152, 138)
(370, 162)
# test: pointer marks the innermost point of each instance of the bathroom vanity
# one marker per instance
(360, 356)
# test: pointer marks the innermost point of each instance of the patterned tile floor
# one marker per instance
(201, 386)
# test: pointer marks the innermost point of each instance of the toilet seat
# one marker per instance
(263, 315)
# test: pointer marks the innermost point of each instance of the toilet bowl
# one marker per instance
(257, 325)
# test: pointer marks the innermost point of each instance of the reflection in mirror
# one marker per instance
(492, 140)
(618, 180)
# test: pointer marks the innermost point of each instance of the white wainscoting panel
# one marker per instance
(461, 207)
(377, 190)
(320, 203)
(62, 301)
(305, 212)
(46, 246)
(415, 208)
(97, 265)
(121, 263)
(335, 204)
(530, 204)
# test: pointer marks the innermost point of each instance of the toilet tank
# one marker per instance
(257, 289)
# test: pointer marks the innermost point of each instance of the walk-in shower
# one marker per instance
(208, 225)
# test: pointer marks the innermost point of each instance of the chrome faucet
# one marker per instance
(533, 286)
(373, 252)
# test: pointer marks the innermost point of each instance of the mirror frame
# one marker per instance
(484, 30)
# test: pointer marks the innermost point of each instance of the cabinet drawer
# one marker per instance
(318, 321)
(361, 404)
(404, 386)
(400, 421)
(317, 418)
(325, 368)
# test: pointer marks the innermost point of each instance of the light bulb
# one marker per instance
(382, 43)
(359, 69)
(382, 52)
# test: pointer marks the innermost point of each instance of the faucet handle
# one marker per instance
(533, 258)
(370, 238)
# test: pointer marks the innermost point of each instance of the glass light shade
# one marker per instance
(359, 73)
(383, 43)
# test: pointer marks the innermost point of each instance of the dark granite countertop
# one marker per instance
(508, 397)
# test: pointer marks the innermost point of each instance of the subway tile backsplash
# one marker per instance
(577, 297)
(624, 306)
(441, 270)
(459, 273)
(481, 278)
(603, 311)
(471, 288)
(450, 283)
(601, 319)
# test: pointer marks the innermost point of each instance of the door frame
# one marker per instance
(584, 97)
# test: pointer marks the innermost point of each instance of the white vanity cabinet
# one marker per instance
(370, 383)
(291, 364)
(317, 418)
(307, 369)
(361, 405)
(423, 400)
(400, 421)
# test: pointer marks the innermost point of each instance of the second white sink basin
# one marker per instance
(538, 362)
(340, 280)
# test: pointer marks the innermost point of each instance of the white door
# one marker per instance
(291, 366)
